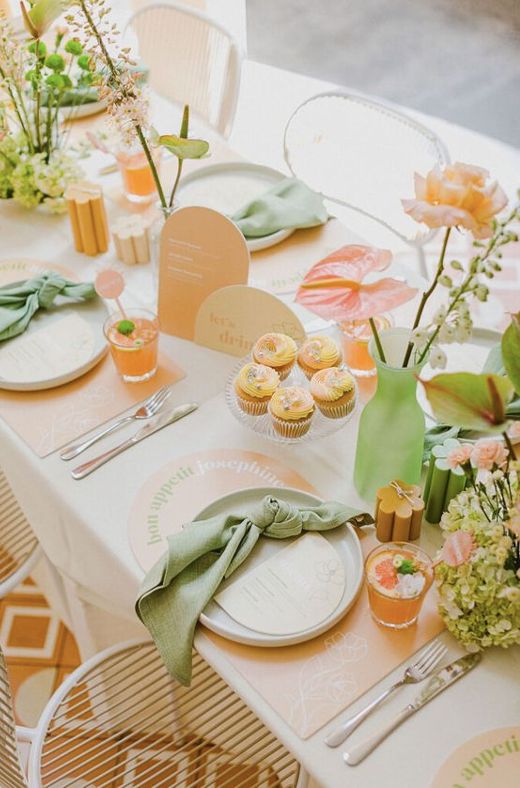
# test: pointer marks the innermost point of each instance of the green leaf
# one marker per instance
(473, 402)
(511, 350)
(185, 122)
(184, 148)
(494, 362)
(125, 327)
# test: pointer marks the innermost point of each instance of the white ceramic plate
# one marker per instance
(93, 312)
(82, 110)
(227, 187)
(343, 539)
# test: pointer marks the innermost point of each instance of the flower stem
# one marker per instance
(152, 166)
(177, 179)
(509, 445)
(426, 295)
(377, 339)
(38, 95)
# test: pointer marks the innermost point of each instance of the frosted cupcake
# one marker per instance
(334, 392)
(291, 410)
(255, 384)
(319, 352)
(277, 351)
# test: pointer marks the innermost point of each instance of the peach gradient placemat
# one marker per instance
(47, 420)
(307, 684)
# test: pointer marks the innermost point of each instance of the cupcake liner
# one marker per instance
(291, 429)
(334, 411)
(252, 408)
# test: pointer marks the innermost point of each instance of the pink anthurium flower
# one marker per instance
(334, 288)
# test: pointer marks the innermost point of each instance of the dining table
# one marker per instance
(89, 571)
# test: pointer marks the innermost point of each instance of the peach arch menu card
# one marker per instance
(201, 251)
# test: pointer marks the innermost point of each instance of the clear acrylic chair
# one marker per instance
(362, 154)
(120, 720)
(192, 60)
(19, 548)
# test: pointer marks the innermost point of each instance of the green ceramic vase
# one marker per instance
(391, 429)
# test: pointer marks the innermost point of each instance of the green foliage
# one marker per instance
(474, 402)
(184, 148)
(511, 351)
(55, 62)
(73, 47)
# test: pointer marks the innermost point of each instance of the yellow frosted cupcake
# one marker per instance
(277, 351)
(319, 352)
(255, 384)
(291, 410)
(334, 392)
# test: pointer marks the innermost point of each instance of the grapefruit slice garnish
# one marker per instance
(386, 573)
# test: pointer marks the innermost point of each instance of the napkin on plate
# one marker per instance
(178, 587)
(18, 303)
(288, 204)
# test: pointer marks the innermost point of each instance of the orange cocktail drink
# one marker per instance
(133, 340)
(138, 181)
(398, 576)
(355, 336)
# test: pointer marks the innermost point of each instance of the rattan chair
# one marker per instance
(362, 154)
(19, 548)
(192, 60)
(120, 720)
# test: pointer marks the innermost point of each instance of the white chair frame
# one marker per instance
(225, 113)
(395, 115)
(209, 687)
(15, 535)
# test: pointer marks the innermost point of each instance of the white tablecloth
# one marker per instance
(83, 526)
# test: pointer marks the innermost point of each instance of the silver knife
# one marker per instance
(440, 681)
(154, 426)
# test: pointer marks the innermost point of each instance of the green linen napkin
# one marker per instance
(18, 303)
(178, 587)
(288, 204)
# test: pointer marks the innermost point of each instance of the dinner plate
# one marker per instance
(82, 110)
(91, 314)
(343, 539)
(227, 187)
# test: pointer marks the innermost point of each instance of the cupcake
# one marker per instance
(319, 352)
(334, 392)
(255, 384)
(277, 351)
(291, 410)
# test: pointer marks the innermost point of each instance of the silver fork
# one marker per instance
(428, 659)
(148, 409)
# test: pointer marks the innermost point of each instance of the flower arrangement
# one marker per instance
(478, 569)
(34, 166)
(117, 81)
(459, 196)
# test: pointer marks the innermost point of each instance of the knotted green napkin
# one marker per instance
(18, 303)
(177, 589)
(288, 204)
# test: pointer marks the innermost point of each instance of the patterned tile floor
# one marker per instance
(39, 650)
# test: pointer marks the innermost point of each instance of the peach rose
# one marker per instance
(459, 456)
(458, 196)
(514, 431)
(487, 454)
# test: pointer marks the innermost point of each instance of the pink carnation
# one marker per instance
(457, 548)
(488, 454)
(459, 456)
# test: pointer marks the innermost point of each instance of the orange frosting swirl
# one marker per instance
(329, 385)
(291, 403)
(319, 352)
(275, 350)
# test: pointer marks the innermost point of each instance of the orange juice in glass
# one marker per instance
(133, 340)
(398, 577)
(355, 336)
(136, 173)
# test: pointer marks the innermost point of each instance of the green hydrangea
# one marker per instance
(479, 600)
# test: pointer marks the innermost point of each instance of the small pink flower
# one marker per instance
(488, 454)
(459, 456)
(457, 548)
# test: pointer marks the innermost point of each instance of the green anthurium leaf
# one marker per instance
(494, 362)
(184, 148)
(473, 402)
(41, 15)
(511, 351)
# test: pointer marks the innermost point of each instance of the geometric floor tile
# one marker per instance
(39, 650)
